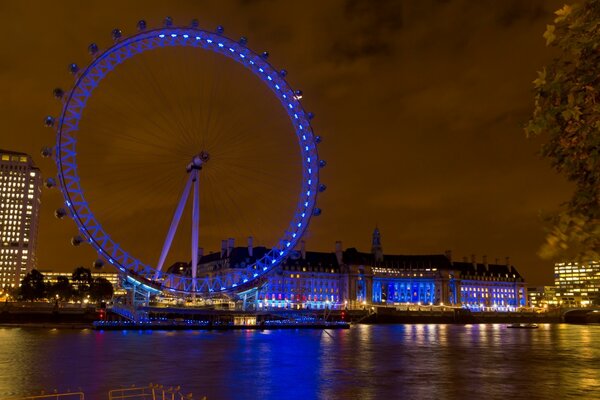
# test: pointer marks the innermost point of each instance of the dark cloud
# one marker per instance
(421, 105)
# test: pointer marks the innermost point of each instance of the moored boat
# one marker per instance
(523, 326)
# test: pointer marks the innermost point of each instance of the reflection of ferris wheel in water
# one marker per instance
(192, 164)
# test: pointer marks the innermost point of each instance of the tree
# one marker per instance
(62, 289)
(33, 286)
(101, 289)
(82, 278)
(567, 114)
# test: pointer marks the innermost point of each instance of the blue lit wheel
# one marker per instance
(144, 44)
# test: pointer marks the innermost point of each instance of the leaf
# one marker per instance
(549, 34)
(563, 13)
(541, 79)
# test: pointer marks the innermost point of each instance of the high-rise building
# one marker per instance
(20, 192)
(542, 296)
(577, 284)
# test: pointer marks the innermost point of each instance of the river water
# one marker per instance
(365, 362)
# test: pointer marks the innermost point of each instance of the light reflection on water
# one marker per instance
(365, 362)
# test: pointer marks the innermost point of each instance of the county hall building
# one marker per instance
(348, 278)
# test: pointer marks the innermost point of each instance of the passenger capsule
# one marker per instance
(220, 29)
(168, 22)
(93, 48)
(316, 211)
(318, 139)
(60, 213)
(116, 34)
(298, 94)
(58, 93)
(322, 163)
(243, 40)
(310, 115)
(283, 73)
(195, 23)
(49, 121)
(73, 68)
(76, 240)
(49, 183)
(98, 264)
(46, 151)
(141, 25)
(265, 54)
(322, 188)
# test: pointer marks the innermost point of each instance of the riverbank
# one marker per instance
(206, 326)
(48, 315)
(388, 315)
(46, 325)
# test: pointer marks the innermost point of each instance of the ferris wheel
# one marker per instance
(194, 155)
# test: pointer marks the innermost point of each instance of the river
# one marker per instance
(364, 362)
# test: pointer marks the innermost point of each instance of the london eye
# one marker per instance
(175, 138)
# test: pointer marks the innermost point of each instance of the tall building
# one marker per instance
(577, 285)
(20, 192)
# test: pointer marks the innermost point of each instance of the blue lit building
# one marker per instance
(353, 279)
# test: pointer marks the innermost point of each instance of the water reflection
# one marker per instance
(365, 362)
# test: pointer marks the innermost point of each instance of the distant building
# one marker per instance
(542, 296)
(20, 198)
(577, 285)
(350, 278)
(51, 277)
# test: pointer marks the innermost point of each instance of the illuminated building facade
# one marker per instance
(542, 296)
(352, 279)
(20, 198)
(577, 285)
(51, 277)
(433, 280)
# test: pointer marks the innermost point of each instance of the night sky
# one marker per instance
(421, 106)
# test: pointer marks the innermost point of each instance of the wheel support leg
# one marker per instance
(174, 224)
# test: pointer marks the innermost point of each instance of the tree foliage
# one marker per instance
(82, 277)
(567, 114)
(98, 289)
(33, 286)
(101, 289)
(62, 289)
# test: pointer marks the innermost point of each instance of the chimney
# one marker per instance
(338, 252)
(507, 261)
(200, 252)
(230, 244)
(223, 247)
(473, 259)
(484, 260)
(303, 249)
(449, 255)
(250, 246)
(496, 261)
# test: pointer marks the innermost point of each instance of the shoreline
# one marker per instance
(155, 318)
(180, 327)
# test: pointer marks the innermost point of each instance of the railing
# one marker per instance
(150, 392)
(124, 311)
(56, 396)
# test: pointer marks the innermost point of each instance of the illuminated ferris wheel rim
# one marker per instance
(91, 229)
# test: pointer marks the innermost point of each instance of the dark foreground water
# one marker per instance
(365, 362)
